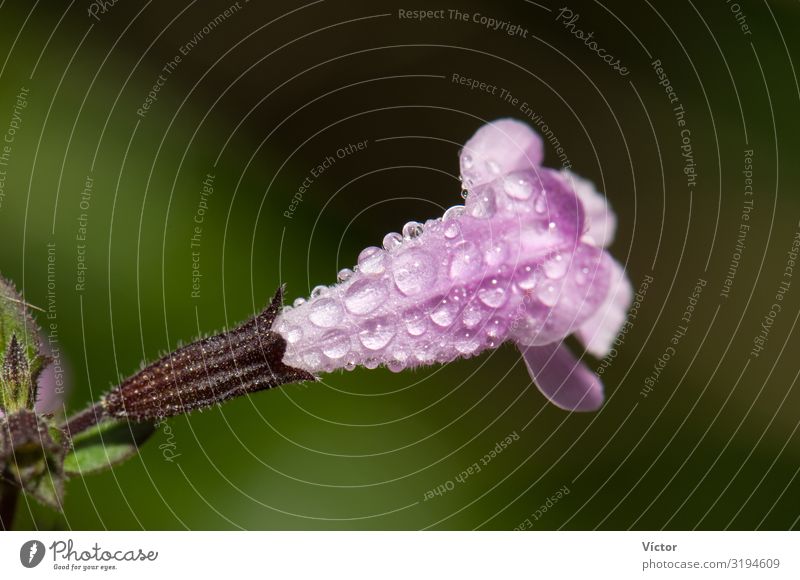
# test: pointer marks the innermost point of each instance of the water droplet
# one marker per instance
(452, 230)
(416, 323)
(344, 274)
(350, 365)
(372, 363)
(414, 271)
(365, 295)
(467, 342)
(466, 161)
(335, 344)
(376, 334)
(495, 254)
(555, 267)
(444, 313)
(517, 187)
(548, 295)
(528, 278)
(318, 291)
(493, 166)
(453, 212)
(541, 204)
(473, 315)
(465, 262)
(396, 366)
(298, 302)
(412, 230)
(325, 313)
(372, 261)
(496, 328)
(493, 296)
(292, 334)
(552, 225)
(392, 241)
(482, 203)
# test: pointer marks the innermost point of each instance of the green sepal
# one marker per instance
(105, 445)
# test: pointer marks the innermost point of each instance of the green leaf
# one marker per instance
(105, 445)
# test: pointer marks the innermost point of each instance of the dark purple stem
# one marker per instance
(84, 420)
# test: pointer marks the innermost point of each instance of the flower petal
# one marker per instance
(601, 222)
(598, 333)
(499, 148)
(567, 382)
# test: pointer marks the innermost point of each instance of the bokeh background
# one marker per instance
(274, 89)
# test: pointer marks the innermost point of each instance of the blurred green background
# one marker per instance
(271, 90)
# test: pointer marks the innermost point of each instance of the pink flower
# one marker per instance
(522, 261)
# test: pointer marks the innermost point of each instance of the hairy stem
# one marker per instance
(84, 420)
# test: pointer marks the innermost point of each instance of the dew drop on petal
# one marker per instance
(453, 212)
(365, 295)
(467, 341)
(493, 296)
(540, 205)
(528, 278)
(466, 161)
(555, 267)
(548, 295)
(473, 315)
(372, 261)
(325, 313)
(413, 271)
(444, 313)
(482, 203)
(372, 363)
(318, 291)
(465, 262)
(344, 274)
(392, 241)
(335, 344)
(298, 302)
(495, 254)
(416, 322)
(452, 230)
(517, 187)
(376, 334)
(412, 230)
(292, 334)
